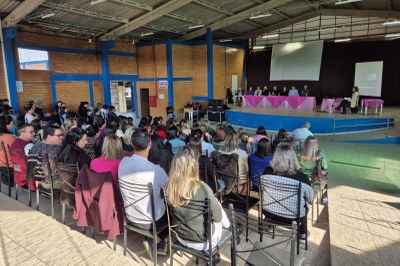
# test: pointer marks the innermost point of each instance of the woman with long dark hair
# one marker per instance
(72, 150)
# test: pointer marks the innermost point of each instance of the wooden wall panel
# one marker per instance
(183, 93)
(152, 61)
(72, 93)
(182, 60)
(122, 65)
(75, 63)
(36, 87)
(160, 109)
(199, 70)
(98, 92)
(219, 72)
(51, 40)
(234, 66)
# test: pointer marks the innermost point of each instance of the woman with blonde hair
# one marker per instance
(184, 185)
(111, 155)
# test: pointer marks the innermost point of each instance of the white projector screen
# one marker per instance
(296, 61)
(368, 78)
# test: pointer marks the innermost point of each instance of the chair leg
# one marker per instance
(125, 240)
(312, 211)
(63, 207)
(115, 243)
(298, 240)
(16, 192)
(29, 198)
(155, 251)
(37, 198)
(171, 258)
(52, 204)
(318, 198)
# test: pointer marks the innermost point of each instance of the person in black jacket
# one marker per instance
(160, 153)
(72, 150)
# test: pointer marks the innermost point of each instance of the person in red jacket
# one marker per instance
(19, 149)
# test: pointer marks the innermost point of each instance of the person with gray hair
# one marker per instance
(300, 134)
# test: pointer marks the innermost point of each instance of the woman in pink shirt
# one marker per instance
(111, 155)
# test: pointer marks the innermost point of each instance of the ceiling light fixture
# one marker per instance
(231, 50)
(391, 23)
(261, 16)
(343, 2)
(258, 47)
(90, 40)
(133, 42)
(95, 2)
(343, 40)
(225, 40)
(48, 15)
(392, 35)
(270, 36)
(144, 34)
(196, 27)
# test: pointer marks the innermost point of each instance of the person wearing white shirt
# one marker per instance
(30, 112)
(302, 133)
(293, 91)
(258, 91)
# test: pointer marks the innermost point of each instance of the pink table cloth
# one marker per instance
(373, 103)
(330, 104)
(280, 102)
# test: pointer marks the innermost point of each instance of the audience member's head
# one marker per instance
(220, 134)
(261, 131)
(172, 132)
(311, 148)
(30, 107)
(285, 160)
(6, 123)
(183, 178)
(263, 148)
(26, 132)
(112, 147)
(307, 125)
(53, 135)
(76, 136)
(140, 140)
(231, 143)
(194, 142)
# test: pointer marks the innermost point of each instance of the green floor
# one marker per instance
(374, 167)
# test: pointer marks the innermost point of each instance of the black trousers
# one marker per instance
(284, 220)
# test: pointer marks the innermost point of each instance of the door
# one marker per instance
(144, 102)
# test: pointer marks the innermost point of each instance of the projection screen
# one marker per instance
(296, 61)
(368, 78)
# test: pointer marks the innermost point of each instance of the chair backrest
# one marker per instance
(138, 198)
(68, 174)
(198, 209)
(280, 196)
(38, 167)
(5, 150)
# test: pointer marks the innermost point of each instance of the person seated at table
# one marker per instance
(283, 91)
(250, 91)
(305, 91)
(265, 91)
(293, 91)
(350, 102)
(274, 91)
(258, 91)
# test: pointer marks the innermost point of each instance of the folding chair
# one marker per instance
(201, 208)
(287, 235)
(279, 197)
(68, 174)
(7, 173)
(143, 192)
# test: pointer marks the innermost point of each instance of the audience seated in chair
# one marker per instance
(184, 186)
(259, 161)
(285, 165)
(300, 134)
(72, 149)
(6, 140)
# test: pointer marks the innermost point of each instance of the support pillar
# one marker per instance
(210, 64)
(170, 73)
(105, 77)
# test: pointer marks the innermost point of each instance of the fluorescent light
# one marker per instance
(144, 34)
(343, 40)
(392, 35)
(196, 27)
(48, 15)
(270, 36)
(231, 50)
(258, 47)
(261, 16)
(226, 40)
(95, 2)
(342, 2)
(391, 23)
(327, 29)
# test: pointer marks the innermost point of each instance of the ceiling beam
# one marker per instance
(84, 12)
(225, 22)
(279, 25)
(21, 11)
(361, 13)
(146, 18)
(276, 11)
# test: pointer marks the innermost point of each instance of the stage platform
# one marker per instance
(321, 123)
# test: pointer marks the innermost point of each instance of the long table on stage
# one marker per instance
(280, 102)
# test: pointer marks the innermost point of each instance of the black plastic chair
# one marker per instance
(68, 173)
(202, 208)
(144, 192)
(279, 198)
(287, 235)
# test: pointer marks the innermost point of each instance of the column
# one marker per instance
(210, 64)
(170, 73)
(105, 76)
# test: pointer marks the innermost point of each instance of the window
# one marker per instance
(30, 59)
